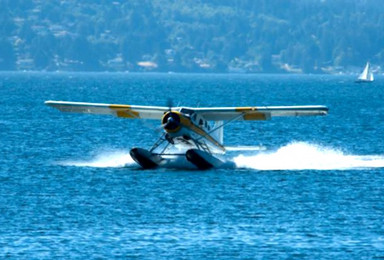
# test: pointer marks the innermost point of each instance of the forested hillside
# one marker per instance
(300, 36)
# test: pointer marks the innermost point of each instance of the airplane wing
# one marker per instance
(125, 111)
(257, 113)
(211, 114)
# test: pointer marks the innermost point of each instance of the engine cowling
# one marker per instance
(171, 122)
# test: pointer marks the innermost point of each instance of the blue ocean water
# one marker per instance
(70, 190)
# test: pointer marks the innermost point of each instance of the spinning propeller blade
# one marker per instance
(169, 104)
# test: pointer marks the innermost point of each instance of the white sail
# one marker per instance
(371, 76)
(366, 75)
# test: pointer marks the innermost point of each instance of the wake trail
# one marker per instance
(306, 156)
(293, 156)
(111, 159)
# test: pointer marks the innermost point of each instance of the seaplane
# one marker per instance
(191, 135)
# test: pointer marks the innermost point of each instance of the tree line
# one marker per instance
(304, 36)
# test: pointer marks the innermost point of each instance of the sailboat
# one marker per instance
(366, 76)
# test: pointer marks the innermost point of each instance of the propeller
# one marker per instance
(171, 120)
(169, 104)
(168, 119)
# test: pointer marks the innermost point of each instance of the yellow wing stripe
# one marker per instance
(255, 116)
(124, 111)
(245, 109)
(250, 113)
(127, 114)
(114, 106)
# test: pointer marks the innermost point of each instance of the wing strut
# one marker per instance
(221, 126)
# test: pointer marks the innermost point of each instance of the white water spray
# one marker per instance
(115, 159)
(305, 156)
(294, 156)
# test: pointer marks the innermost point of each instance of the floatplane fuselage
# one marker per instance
(194, 135)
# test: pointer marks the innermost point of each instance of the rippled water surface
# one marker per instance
(69, 188)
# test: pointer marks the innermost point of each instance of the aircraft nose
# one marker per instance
(172, 122)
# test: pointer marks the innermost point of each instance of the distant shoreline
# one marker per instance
(176, 73)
